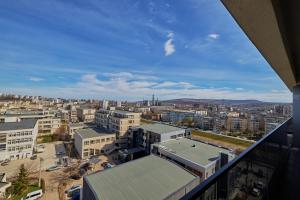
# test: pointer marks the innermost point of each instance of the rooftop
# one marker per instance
(197, 152)
(159, 128)
(23, 124)
(147, 178)
(86, 133)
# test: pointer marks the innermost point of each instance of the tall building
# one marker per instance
(119, 104)
(104, 104)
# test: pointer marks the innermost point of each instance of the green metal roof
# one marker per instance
(159, 128)
(192, 150)
(86, 133)
(147, 178)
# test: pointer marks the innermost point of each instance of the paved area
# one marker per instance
(49, 159)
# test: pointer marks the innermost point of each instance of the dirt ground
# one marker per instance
(57, 182)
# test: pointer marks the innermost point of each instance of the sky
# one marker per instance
(129, 50)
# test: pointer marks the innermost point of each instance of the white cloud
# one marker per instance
(214, 36)
(169, 45)
(93, 86)
(35, 79)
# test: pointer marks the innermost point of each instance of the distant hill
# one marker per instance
(212, 101)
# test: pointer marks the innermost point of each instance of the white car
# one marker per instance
(33, 195)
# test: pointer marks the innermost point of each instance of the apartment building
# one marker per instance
(17, 139)
(148, 178)
(92, 141)
(117, 121)
(236, 124)
(86, 114)
(73, 115)
(102, 118)
(200, 158)
(145, 135)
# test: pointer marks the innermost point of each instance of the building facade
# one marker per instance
(17, 139)
(86, 114)
(91, 141)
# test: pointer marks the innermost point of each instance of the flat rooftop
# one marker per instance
(197, 152)
(147, 178)
(159, 128)
(23, 124)
(86, 133)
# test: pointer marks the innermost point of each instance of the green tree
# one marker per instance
(22, 181)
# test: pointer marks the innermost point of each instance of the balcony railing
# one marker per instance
(255, 174)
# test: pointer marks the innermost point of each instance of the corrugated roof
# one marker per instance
(159, 128)
(192, 150)
(23, 124)
(147, 178)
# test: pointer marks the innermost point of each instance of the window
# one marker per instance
(107, 139)
(98, 141)
(86, 142)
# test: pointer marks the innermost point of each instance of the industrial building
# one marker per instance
(147, 178)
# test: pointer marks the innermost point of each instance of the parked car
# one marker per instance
(53, 168)
(33, 195)
(33, 157)
(5, 162)
(255, 192)
(72, 190)
(60, 153)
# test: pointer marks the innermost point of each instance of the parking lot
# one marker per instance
(49, 159)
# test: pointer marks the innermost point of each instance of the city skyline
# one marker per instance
(130, 50)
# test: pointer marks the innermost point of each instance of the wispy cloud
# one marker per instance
(169, 45)
(214, 36)
(35, 79)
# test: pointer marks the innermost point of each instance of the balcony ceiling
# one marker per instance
(274, 28)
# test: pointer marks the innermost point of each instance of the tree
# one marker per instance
(22, 181)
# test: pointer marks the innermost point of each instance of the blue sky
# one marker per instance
(130, 49)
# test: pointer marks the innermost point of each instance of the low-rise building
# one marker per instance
(145, 135)
(17, 139)
(199, 158)
(148, 178)
(72, 127)
(92, 141)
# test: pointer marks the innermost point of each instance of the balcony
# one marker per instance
(267, 170)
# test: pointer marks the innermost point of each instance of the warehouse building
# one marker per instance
(147, 178)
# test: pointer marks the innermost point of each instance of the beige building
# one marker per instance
(72, 127)
(48, 123)
(92, 141)
(236, 124)
(117, 121)
(86, 114)
(121, 121)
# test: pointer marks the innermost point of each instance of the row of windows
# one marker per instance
(17, 141)
(19, 148)
(98, 141)
(17, 134)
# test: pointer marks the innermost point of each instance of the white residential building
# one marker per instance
(17, 139)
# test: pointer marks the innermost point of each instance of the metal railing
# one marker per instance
(253, 173)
